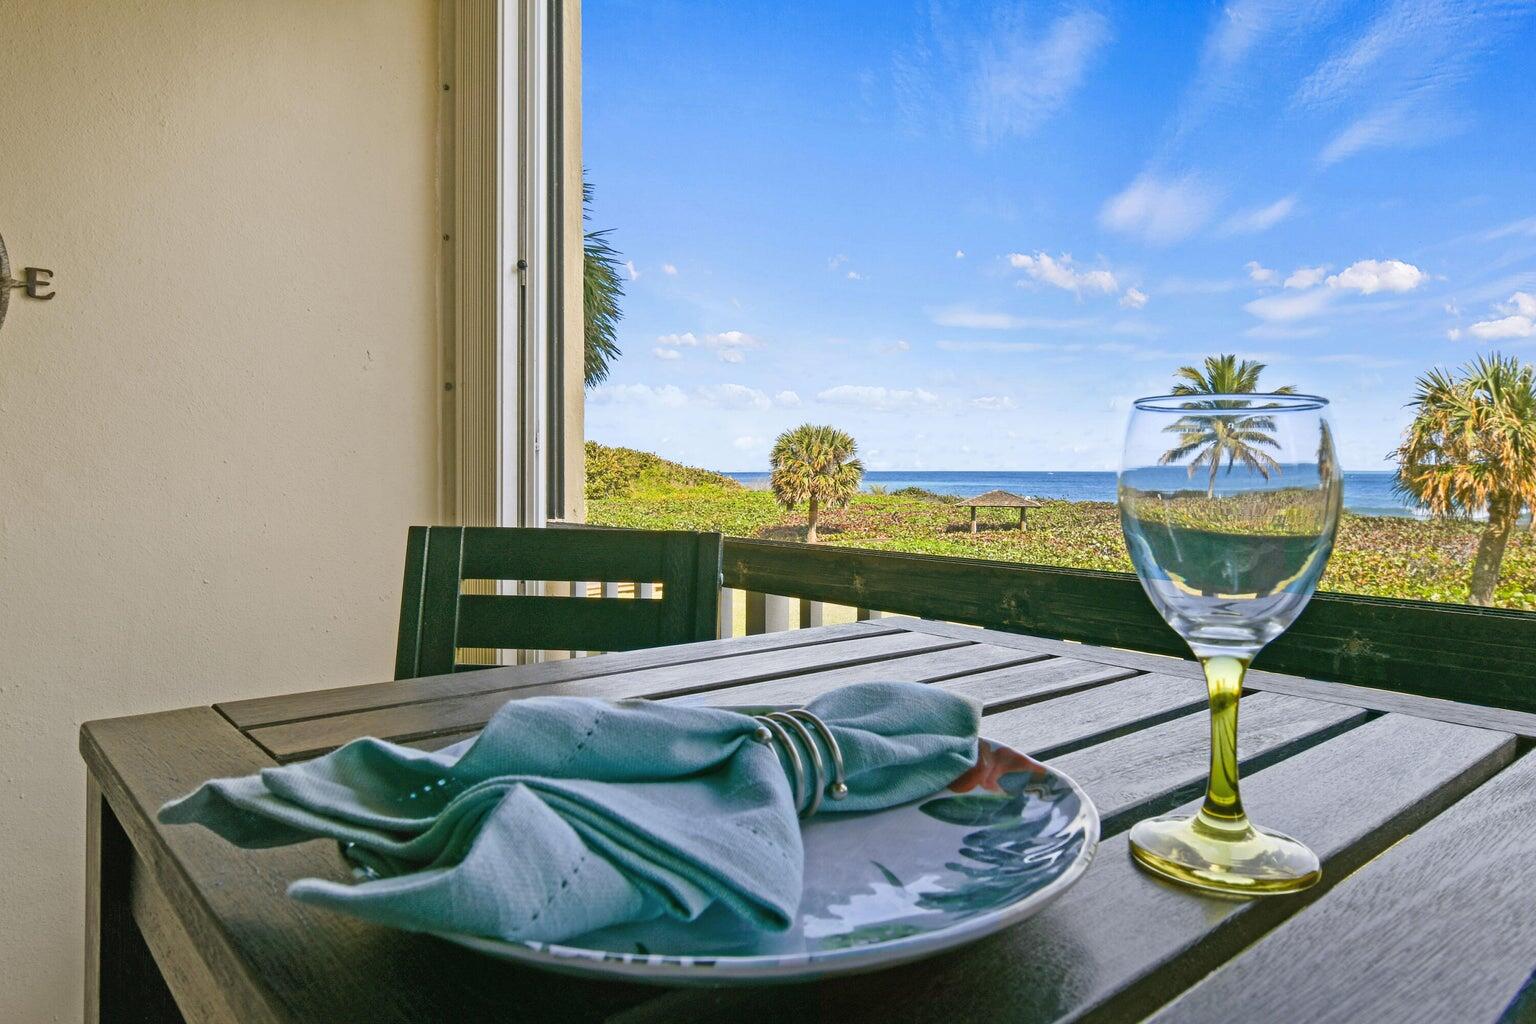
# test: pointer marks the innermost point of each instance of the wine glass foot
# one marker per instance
(1234, 860)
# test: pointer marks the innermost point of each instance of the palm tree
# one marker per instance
(602, 287)
(1214, 438)
(1224, 375)
(815, 464)
(1472, 447)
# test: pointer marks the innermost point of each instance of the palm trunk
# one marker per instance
(1490, 552)
(1210, 487)
(810, 529)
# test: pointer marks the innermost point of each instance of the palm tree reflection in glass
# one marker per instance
(1229, 564)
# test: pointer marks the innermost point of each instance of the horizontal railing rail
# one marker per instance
(1457, 652)
(1490, 653)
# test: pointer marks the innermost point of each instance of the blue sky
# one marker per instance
(969, 233)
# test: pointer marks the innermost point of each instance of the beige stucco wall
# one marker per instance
(212, 441)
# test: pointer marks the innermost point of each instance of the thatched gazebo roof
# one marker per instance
(1000, 499)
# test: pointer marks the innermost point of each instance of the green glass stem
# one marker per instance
(1223, 808)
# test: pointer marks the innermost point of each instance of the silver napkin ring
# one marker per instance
(771, 728)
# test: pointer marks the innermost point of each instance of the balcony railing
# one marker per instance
(1480, 655)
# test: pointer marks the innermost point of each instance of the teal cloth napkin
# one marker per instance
(568, 814)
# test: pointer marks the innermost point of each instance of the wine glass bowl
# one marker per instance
(1229, 504)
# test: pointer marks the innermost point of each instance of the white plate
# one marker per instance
(882, 888)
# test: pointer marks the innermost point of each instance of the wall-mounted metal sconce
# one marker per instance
(35, 281)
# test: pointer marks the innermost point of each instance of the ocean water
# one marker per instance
(1365, 493)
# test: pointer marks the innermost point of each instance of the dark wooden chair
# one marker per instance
(437, 616)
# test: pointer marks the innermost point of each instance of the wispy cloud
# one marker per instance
(634, 272)
(879, 398)
(1259, 218)
(994, 402)
(989, 320)
(947, 345)
(999, 80)
(1398, 124)
(1303, 278)
(1365, 362)
(1134, 298)
(735, 396)
(1024, 77)
(666, 353)
(1160, 210)
(666, 396)
(1396, 80)
(1285, 307)
(1526, 227)
(669, 269)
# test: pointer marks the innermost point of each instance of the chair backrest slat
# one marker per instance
(438, 617)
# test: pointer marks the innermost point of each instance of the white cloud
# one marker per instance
(1021, 80)
(1306, 277)
(634, 274)
(1523, 303)
(666, 353)
(666, 396)
(787, 398)
(669, 269)
(735, 396)
(1371, 276)
(892, 348)
(959, 254)
(1454, 334)
(1364, 276)
(990, 346)
(834, 262)
(728, 346)
(854, 275)
(1259, 273)
(1159, 210)
(1060, 273)
(732, 339)
(687, 340)
(1134, 298)
(1290, 307)
(1515, 326)
(997, 402)
(1262, 218)
(879, 398)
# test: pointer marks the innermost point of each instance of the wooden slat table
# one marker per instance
(1423, 811)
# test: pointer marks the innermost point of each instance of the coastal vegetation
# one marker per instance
(1375, 555)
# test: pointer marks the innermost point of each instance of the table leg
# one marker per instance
(122, 981)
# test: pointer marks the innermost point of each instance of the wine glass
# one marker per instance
(1229, 505)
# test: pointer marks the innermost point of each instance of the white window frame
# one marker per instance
(506, 329)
